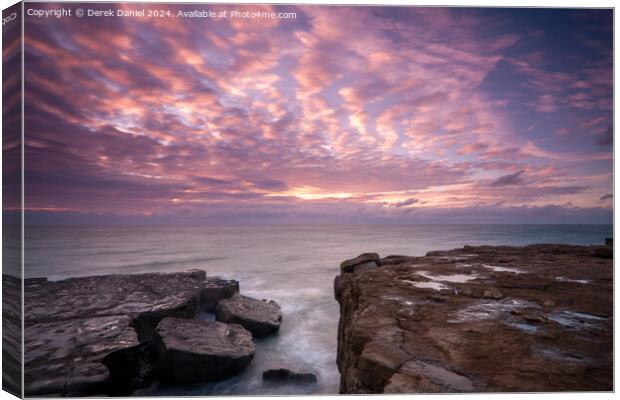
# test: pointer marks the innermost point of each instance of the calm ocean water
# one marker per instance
(294, 265)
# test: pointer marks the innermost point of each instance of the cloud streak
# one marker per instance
(353, 112)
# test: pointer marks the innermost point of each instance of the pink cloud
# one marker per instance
(343, 107)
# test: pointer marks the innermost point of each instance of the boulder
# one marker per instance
(260, 317)
(216, 289)
(195, 351)
(285, 375)
(368, 259)
(368, 266)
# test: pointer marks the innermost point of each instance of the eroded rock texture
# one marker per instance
(11, 334)
(477, 319)
(194, 351)
(93, 335)
(261, 317)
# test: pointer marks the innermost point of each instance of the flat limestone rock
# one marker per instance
(84, 334)
(257, 316)
(65, 357)
(478, 319)
(195, 351)
(105, 295)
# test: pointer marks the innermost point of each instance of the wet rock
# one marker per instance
(364, 267)
(66, 357)
(395, 260)
(195, 351)
(418, 376)
(131, 369)
(87, 336)
(438, 298)
(216, 289)
(367, 259)
(260, 317)
(150, 294)
(34, 281)
(379, 360)
(285, 375)
(481, 292)
(11, 334)
(492, 293)
(534, 317)
(603, 251)
(492, 333)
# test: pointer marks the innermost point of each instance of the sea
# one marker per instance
(293, 265)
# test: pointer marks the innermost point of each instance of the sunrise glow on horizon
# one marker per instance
(341, 114)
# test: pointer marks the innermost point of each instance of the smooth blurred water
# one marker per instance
(293, 265)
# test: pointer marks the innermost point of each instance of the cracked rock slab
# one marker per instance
(195, 351)
(260, 317)
(105, 295)
(77, 330)
(65, 358)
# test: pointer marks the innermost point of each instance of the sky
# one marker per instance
(340, 115)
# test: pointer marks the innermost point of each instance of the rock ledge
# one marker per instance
(114, 334)
(477, 319)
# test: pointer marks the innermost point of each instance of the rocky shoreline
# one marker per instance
(478, 319)
(115, 334)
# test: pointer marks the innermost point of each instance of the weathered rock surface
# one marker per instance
(216, 289)
(478, 319)
(260, 317)
(66, 357)
(362, 262)
(285, 375)
(194, 351)
(11, 334)
(93, 335)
